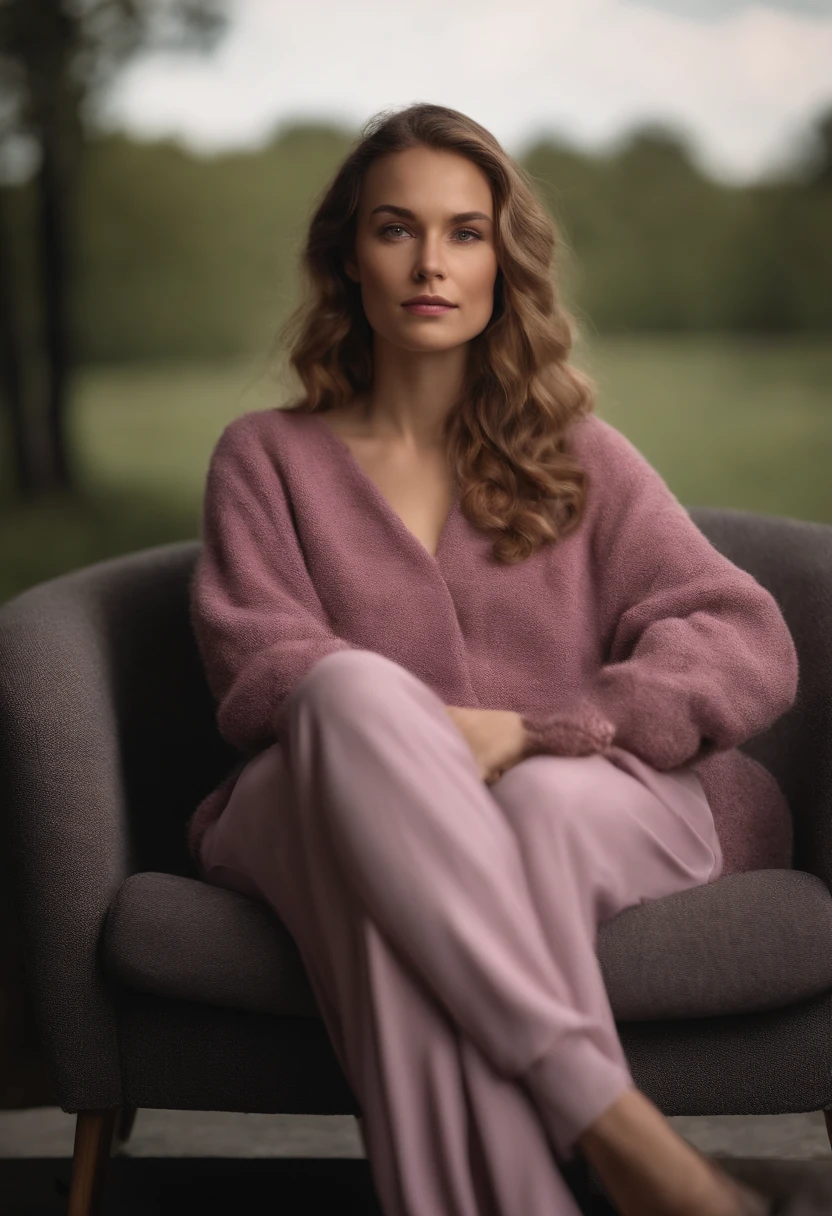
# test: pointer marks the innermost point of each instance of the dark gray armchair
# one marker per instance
(153, 988)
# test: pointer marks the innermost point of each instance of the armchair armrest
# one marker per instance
(65, 815)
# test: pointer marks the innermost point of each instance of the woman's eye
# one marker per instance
(400, 228)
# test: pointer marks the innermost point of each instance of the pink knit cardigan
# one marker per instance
(633, 632)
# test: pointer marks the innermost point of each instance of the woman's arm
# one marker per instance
(258, 621)
(700, 657)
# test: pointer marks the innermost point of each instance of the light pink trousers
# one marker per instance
(448, 927)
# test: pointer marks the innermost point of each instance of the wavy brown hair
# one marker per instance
(505, 433)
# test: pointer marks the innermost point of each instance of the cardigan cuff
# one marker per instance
(580, 732)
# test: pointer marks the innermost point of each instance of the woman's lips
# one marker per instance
(428, 310)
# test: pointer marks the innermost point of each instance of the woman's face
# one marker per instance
(426, 251)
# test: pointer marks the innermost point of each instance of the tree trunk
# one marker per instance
(54, 187)
(12, 363)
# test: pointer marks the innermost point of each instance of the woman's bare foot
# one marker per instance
(649, 1170)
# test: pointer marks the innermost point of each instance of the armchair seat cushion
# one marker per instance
(184, 938)
(748, 942)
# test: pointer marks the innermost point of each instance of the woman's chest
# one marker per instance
(419, 487)
(467, 624)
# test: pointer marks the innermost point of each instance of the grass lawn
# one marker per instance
(727, 422)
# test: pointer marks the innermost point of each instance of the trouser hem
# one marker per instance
(571, 1085)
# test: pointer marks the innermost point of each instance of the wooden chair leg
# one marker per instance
(827, 1114)
(93, 1144)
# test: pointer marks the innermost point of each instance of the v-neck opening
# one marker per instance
(381, 499)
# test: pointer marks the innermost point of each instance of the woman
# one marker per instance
(488, 681)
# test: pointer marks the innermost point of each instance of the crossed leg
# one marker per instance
(448, 928)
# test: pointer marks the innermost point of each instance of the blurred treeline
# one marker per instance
(177, 255)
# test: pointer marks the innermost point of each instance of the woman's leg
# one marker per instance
(374, 766)
(597, 835)
(444, 1131)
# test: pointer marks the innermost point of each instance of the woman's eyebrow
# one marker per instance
(462, 217)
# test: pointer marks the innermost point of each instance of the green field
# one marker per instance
(727, 422)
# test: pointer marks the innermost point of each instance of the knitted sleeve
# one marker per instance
(698, 655)
(258, 621)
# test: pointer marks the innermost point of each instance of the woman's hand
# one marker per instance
(496, 737)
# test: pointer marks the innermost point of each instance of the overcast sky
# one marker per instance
(741, 80)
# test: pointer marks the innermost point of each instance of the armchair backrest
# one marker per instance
(111, 644)
(793, 560)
